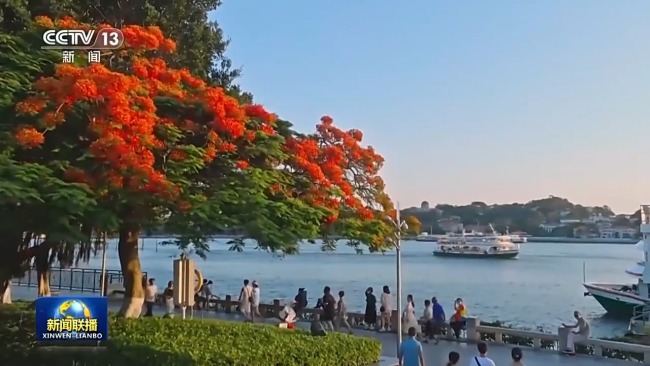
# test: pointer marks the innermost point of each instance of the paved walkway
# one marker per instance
(434, 354)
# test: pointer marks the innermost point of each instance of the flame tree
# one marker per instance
(149, 144)
(104, 123)
(33, 199)
(334, 171)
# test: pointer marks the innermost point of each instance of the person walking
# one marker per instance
(150, 296)
(255, 301)
(427, 318)
(245, 300)
(300, 301)
(370, 316)
(482, 359)
(387, 306)
(409, 319)
(410, 351)
(342, 313)
(168, 295)
(329, 309)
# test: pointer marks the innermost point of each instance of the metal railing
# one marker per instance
(72, 279)
(640, 318)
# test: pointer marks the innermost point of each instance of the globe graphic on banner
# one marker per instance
(72, 309)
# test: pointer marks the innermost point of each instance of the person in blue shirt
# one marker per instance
(410, 351)
(439, 318)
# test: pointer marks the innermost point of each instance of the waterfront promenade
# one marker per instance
(434, 354)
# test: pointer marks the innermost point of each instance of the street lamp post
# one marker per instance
(103, 276)
(399, 225)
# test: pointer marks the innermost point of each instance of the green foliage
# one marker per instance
(200, 42)
(514, 217)
(158, 341)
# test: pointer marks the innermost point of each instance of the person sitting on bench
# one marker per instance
(459, 319)
(287, 316)
(581, 334)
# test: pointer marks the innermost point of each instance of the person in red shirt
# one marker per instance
(459, 319)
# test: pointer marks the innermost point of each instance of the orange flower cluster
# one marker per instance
(120, 118)
(339, 167)
(29, 136)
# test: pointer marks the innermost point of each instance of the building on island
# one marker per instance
(619, 232)
(451, 224)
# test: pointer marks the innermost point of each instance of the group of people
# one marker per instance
(433, 317)
(331, 313)
(411, 354)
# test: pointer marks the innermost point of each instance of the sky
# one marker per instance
(493, 101)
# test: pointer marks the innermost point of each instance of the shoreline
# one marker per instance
(555, 239)
(531, 239)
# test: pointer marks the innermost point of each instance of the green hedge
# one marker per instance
(157, 341)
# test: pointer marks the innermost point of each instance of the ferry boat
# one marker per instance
(477, 245)
(621, 299)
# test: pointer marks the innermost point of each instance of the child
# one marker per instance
(316, 327)
(454, 358)
(517, 355)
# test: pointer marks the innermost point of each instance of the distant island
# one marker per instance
(550, 217)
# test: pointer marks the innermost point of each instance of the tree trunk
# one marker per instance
(130, 262)
(42, 264)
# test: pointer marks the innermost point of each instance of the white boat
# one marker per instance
(518, 239)
(427, 237)
(621, 299)
(477, 245)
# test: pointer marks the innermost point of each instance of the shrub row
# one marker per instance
(157, 341)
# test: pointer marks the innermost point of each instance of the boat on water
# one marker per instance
(518, 239)
(621, 299)
(427, 238)
(477, 245)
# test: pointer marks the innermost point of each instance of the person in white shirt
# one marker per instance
(582, 332)
(245, 300)
(255, 303)
(482, 359)
(287, 316)
(387, 306)
(150, 294)
(427, 318)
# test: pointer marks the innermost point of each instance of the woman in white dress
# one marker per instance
(245, 300)
(386, 309)
(409, 319)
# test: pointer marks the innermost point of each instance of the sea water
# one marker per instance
(539, 289)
